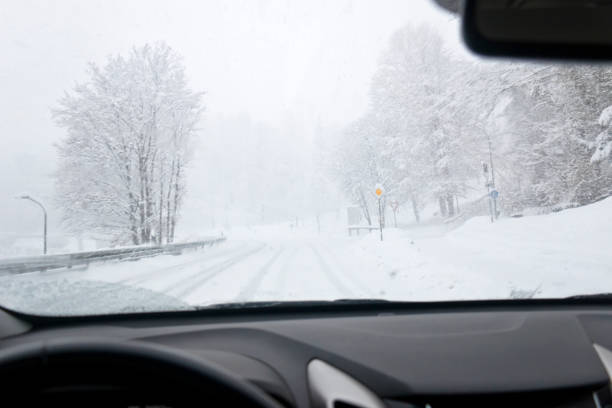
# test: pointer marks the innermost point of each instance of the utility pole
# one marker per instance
(27, 197)
(394, 207)
(485, 171)
(494, 196)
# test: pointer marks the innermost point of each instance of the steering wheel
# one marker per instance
(119, 374)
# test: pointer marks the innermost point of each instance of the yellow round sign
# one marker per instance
(378, 192)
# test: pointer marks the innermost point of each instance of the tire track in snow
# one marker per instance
(336, 282)
(143, 277)
(358, 284)
(188, 285)
(281, 282)
(253, 284)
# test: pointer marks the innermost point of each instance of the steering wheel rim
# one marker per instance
(32, 365)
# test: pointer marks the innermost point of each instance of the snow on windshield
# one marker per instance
(169, 155)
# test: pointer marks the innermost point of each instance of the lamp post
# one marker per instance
(27, 197)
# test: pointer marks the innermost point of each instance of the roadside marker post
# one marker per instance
(379, 193)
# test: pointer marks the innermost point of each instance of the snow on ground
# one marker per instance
(78, 297)
(552, 255)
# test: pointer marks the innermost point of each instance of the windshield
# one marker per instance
(171, 155)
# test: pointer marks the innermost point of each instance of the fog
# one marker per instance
(289, 69)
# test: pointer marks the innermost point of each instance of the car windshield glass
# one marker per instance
(166, 155)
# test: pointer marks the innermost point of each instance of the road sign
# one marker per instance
(379, 191)
(494, 194)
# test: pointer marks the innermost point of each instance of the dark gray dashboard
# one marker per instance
(399, 356)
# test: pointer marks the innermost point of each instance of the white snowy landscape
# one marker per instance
(280, 126)
(561, 254)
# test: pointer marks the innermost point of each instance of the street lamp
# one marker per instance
(27, 197)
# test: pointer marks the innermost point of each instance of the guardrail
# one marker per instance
(358, 228)
(474, 208)
(49, 262)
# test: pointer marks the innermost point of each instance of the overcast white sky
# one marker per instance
(281, 62)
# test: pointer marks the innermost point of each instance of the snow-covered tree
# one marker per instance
(416, 133)
(602, 145)
(435, 117)
(359, 166)
(550, 125)
(129, 135)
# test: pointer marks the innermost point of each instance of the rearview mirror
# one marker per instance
(567, 29)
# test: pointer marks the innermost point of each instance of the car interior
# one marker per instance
(371, 354)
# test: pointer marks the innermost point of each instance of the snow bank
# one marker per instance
(559, 254)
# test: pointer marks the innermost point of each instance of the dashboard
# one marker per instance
(481, 355)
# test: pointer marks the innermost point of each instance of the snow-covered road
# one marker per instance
(240, 270)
